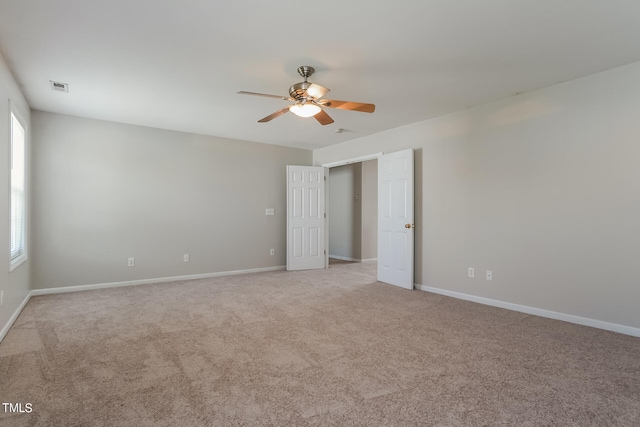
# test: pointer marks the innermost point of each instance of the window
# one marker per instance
(18, 198)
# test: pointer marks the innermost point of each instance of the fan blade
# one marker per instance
(348, 105)
(274, 115)
(323, 118)
(316, 91)
(266, 95)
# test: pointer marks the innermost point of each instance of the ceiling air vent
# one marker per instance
(60, 87)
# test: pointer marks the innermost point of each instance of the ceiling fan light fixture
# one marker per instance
(305, 110)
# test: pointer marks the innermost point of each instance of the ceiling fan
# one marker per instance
(308, 98)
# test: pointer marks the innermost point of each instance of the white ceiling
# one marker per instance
(178, 64)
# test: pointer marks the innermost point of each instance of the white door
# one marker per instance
(305, 217)
(395, 218)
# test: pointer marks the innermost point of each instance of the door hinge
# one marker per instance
(325, 251)
(325, 177)
(325, 214)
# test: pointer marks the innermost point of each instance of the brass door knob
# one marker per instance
(408, 226)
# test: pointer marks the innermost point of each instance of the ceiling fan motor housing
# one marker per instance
(298, 90)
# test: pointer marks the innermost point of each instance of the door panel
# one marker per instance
(305, 218)
(395, 212)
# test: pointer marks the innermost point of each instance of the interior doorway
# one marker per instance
(353, 212)
(395, 182)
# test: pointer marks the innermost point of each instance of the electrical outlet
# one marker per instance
(489, 275)
(131, 262)
(185, 257)
(270, 211)
(272, 251)
(471, 272)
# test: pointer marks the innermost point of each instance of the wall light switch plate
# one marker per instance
(471, 272)
(270, 211)
(489, 275)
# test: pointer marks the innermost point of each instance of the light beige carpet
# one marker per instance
(320, 348)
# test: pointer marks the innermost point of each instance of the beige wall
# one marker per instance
(104, 192)
(541, 188)
(353, 222)
(345, 213)
(15, 284)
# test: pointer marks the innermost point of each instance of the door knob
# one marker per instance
(408, 226)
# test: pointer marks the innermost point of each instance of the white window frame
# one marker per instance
(21, 255)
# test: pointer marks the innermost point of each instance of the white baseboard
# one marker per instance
(344, 258)
(79, 288)
(14, 317)
(614, 327)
